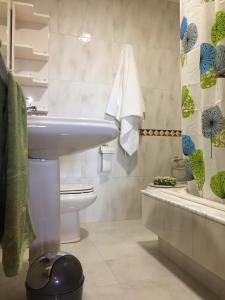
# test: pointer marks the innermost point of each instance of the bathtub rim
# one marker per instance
(183, 199)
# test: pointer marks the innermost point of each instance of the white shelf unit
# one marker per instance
(4, 30)
(27, 52)
(27, 80)
(30, 34)
(25, 13)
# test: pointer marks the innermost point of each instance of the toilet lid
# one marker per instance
(76, 188)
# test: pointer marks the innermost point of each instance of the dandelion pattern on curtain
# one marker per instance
(217, 184)
(188, 170)
(218, 29)
(207, 57)
(202, 41)
(188, 37)
(187, 144)
(188, 105)
(197, 164)
(207, 65)
(212, 123)
(220, 57)
(219, 139)
(207, 1)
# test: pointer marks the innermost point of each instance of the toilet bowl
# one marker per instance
(73, 198)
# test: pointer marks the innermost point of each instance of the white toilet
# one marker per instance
(73, 198)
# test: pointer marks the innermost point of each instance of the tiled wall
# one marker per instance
(81, 77)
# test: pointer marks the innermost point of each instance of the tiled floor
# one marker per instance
(121, 261)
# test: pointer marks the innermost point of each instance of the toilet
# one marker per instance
(73, 198)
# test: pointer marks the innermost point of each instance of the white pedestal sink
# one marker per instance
(49, 138)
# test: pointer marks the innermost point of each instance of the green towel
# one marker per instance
(18, 231)
(3, 158)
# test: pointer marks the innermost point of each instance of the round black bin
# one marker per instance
(55, 275)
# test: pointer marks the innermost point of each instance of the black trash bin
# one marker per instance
(55, 275)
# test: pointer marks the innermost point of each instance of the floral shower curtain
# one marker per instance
(202, 39)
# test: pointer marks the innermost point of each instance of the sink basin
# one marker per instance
(50, 137)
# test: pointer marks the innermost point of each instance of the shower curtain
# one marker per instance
(202, 57)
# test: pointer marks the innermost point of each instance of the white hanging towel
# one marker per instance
(126, 102)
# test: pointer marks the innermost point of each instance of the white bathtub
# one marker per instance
(181, 198)
(191, 232)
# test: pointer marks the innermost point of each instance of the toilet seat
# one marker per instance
(75, 197)
(76, 189)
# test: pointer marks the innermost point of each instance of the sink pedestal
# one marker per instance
(44, 202)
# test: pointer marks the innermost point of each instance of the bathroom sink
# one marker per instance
(50, 137)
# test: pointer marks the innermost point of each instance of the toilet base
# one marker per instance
(70, 227)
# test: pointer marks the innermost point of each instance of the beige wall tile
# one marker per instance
(178, 229)
(117, 200)
(98, 19)
(155, 99)
(133, 20)
(67, 58)
(209, 245)
(170, 223)
(49, 7)
(80, 80)
(71, 14)
(95, 17)
(98, 64)
(153, 215)
(195, 270)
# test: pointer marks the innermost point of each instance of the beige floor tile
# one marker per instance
(199, 294)
(113, 292)
(173, 280)
(120, 261)
(117, 250)
(98, 274)
(13, 288)
(122, 225)
(84, 250)
(177, 285)
(181, 284)
(148, 290)
(145, 290)
(137, 269)
(117, 232)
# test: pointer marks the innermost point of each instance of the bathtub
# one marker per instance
(182, 198)
(191, 232)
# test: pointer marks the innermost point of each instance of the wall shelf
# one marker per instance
(30, 39)
(25, 13)
(27, 80)
(27, 52)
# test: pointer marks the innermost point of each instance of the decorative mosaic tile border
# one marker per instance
(160, 132)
